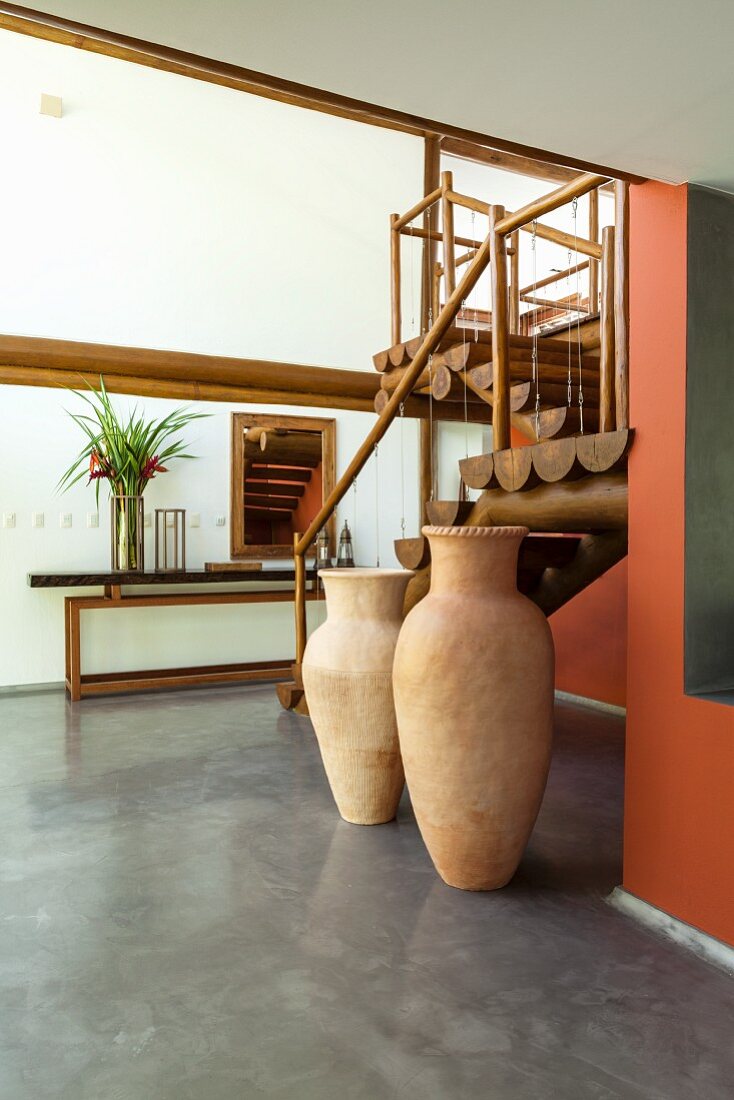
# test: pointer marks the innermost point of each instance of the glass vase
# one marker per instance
(127, 529)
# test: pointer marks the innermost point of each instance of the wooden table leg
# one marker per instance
(74, 651)
(67, 653)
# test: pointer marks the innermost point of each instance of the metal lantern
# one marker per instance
(345, 558)
(170, 540)
(323, 557)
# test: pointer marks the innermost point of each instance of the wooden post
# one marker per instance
(621, 301)
(74, 657)
(299, 598)
(395, 281)
(431, 181)
(427, 455)
(593, 264)
(447, 225)
(606, 355)
(436, 291)
(514, 309)
(500, 343)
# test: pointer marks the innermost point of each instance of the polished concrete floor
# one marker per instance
(183, 916)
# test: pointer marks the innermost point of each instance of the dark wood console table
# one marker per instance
(79, 685)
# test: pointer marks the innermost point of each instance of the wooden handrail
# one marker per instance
(574, 189)
(554, 278)
(434, 235)
(565, 306)
(440, 327)
(468, 202)
(438, 330)
(422, 204)
(566, 240)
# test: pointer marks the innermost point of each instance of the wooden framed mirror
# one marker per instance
(282, 470)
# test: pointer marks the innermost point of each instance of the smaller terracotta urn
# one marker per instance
(347, 677)
(473, 686)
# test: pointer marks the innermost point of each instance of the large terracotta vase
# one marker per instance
(347, 677)
(473, 682)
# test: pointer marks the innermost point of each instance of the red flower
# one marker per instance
(96, 469)
(152, 467)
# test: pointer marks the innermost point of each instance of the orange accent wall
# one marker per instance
(590, 635)
(310, 503)
(679, 806)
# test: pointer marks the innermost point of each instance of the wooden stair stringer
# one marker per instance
(594, 506)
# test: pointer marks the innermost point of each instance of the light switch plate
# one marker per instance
(65, 519)
(147, 519)
(8, 519)
(220, 521)
(195, 520)
(51, 105)
(37, 519)
(92, 519)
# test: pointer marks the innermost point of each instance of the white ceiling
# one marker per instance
(645, 86)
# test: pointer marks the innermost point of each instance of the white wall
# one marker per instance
(39, 440)
(168, 213)
(164, 212)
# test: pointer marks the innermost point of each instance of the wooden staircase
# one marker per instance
(567, 482)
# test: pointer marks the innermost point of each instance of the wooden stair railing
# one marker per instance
(303, 542)
(598, 507)
(606, 258)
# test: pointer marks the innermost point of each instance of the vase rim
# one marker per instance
(476, 532)
(365, 571)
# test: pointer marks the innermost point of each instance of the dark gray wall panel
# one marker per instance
(709, 552)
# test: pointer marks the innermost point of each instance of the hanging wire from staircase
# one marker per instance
(463, 343)
(354, 512)
(574, 207)
(377, 506)
(402, 471)
(476, 288)
(534, 353)
(412, 282)
(429, 326)
(568, 297)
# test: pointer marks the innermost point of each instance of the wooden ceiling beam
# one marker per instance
(511, 162)
(54, 28)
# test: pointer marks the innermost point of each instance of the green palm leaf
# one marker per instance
(123, 449)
